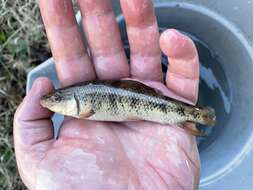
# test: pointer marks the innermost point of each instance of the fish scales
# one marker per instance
(123, 100)
(125, 105)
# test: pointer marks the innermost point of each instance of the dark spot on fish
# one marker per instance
(96, 100)
(77, 104)
(155, 106)
(162, 107)
(133, 103)
(98, 103)
(112, 101)
(180, 110)
(120, 100)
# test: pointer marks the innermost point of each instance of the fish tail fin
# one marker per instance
(208, 116)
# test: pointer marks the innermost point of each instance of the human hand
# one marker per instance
(102, 155)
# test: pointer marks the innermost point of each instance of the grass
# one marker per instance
(23, 45)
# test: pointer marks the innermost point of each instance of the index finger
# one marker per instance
(72, 62)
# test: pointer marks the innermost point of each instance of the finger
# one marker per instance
(72, 62)
(183, 72)
(103, 36)
(32, 122)
(143, 36)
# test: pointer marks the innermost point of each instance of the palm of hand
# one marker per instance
(103, 155)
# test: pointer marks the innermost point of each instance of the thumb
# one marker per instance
(32, 123)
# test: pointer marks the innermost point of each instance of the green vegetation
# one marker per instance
(23, 45)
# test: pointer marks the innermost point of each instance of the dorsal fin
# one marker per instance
(131, 85)
(138, 87)
(134, 86)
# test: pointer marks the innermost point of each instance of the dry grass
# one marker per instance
(23, 45)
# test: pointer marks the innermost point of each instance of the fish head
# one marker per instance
(61, 101)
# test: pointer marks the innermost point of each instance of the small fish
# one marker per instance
(124, 100)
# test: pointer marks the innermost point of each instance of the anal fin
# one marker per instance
(134, 118)
(192, 129)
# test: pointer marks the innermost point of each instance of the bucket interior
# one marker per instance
(226, 67)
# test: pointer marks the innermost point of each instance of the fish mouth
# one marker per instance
(45, 101)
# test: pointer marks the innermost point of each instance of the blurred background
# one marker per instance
(23, 45)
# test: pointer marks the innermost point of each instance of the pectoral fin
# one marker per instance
(86, 114)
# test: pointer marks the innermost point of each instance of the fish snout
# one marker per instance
(46, 101)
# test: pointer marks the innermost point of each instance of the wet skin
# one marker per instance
(102, 155)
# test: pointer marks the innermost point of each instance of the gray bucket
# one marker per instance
(223, 34)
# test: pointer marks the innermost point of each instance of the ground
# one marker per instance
(23, 45)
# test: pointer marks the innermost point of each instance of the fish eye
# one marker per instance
(57, 98)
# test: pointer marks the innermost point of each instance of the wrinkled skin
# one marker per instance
(100, 155)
